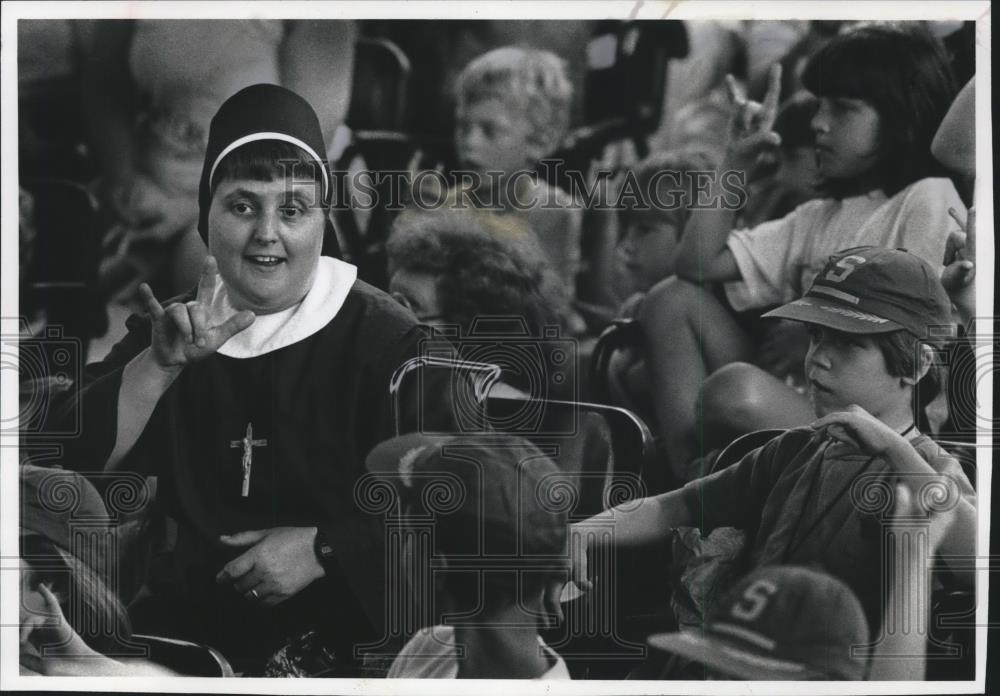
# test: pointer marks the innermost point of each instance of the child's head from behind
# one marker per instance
(497, 515)
(455, 266)
(871, 314)
(652, 229)
(883, 90)
(512, 109)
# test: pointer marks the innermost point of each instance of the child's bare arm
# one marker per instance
(635, 523)
(181, 335)
(861, 429)
(702, 255)
(901, 655)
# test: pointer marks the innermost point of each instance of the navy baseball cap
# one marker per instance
(489, 495)
(779, 623)
(871, 290)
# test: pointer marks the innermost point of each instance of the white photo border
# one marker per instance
(977, 10)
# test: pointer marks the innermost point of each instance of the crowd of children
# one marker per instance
(799, 266)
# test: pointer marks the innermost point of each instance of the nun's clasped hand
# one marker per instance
(278, 563)
(182, 333)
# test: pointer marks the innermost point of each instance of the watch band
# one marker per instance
(325, 550)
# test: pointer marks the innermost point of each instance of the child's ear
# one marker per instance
(926, 360)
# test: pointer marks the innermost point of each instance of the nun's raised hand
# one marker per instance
(182, 331)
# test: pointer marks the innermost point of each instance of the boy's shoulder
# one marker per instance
(783, 447)
(940, 459)
(794, 439)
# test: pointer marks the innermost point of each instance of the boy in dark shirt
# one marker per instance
(812, 496)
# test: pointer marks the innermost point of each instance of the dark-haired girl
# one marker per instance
(882, 93)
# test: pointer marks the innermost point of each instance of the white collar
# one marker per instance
(269, 332)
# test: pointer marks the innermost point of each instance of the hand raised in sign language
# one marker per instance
(959, 274)
(751, 138)
(182, 332)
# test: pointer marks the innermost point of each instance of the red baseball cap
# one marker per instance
(871, 290)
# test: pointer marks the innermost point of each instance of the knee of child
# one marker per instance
(733, 394)
(671, 297)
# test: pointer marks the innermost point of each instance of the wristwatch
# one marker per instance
(323, 546)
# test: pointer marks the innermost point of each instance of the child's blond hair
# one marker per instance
(532, 81)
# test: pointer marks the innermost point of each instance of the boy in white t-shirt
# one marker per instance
(496, 541)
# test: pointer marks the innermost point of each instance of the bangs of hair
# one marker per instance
(851, 65)
(267, 160)
(865, 62)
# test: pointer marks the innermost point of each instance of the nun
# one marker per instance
(254, 400)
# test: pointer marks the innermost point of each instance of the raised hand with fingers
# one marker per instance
(751, 139)
(182, 332)
(959, 271)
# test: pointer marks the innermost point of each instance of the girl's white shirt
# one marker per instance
(779, 259)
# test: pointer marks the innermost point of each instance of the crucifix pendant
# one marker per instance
(247, 443)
